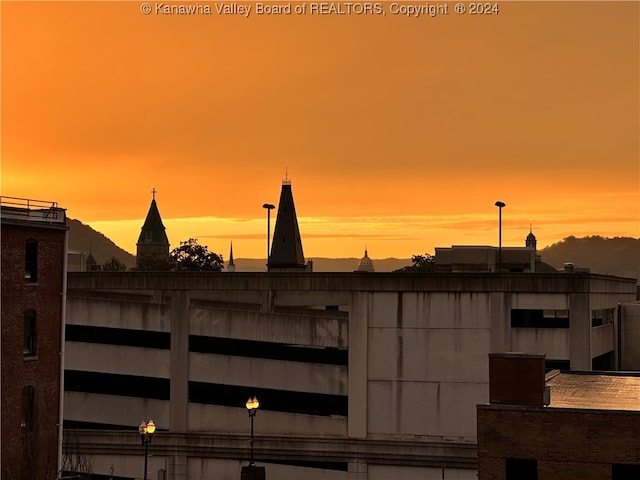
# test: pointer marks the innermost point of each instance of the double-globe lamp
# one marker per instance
(146, 431)
(252, 407)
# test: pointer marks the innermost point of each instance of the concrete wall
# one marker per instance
(286, 328)
(417, 344)
(630, 336)
(213, 418)
(139, 310)
(417, 359)
(384, 472)
(93, 357)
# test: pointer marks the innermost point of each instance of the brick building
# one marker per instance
(33, 299)
(568, 425)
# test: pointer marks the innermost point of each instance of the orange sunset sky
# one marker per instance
(398, 133)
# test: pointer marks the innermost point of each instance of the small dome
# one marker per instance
(366, 265)
(90, 260)
(531, 241)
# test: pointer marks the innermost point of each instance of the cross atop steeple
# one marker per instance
(153, 192)
(286, 180)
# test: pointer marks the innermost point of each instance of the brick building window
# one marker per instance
(26, 421)
(521, 469)
(29, 349)
(31, 261)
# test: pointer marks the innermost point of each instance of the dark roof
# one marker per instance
(286, 249)
(542, 267)
(153, 230)
(595, 390)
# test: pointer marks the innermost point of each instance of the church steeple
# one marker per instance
(231, 267)
(531, 241)
(153, 243)
(286, 249)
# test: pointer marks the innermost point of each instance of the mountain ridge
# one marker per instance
(619, 256)
(83, 238)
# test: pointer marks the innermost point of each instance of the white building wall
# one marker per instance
(554, 342)
(630, 334)
(267, 327)
(415, 350)
(115, 409)
(418, 360)
(260, 372)
(95, 357)
(432, 410)
(548, 301)
(214, 418)
(219, 469)
(119, 313)
(386, 472)
(131, 465)
(603, 340)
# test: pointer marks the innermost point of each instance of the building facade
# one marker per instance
(33, 300)
(586, 425)
(359, 376)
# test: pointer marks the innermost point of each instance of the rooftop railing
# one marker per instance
(32, 210)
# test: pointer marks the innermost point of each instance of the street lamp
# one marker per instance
(500, 206)
(146, 431)
(252, 408)
(269, 207)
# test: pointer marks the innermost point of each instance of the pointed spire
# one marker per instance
(153, 242)
(231, 267)
(153, 230)
(286, 249)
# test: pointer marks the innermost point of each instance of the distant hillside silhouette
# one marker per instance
(614, 256)
(85, 239)
(326, 264)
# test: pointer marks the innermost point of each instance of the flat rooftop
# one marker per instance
(29, 210)
(595, 390)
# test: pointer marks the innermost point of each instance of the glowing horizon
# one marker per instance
(399, 237)
(398, 132)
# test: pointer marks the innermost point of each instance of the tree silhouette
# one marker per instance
(114, 265)
(420, 263)
(423, 263)
(192, 256)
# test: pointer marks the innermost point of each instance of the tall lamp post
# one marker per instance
(146, 431)
(252, 408)
(269, 207)
(500, 206)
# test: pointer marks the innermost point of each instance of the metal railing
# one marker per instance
(26, 208)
